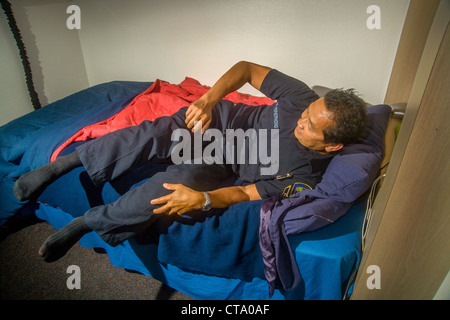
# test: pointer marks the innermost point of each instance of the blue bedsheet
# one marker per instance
(29, 141)
(208, 257)
(326, 258)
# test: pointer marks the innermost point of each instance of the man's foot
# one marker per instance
(59, 243)
(32, 183)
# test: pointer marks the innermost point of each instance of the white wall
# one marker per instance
(319, 41)
(54, 52)
(58, 49)
(324, 42)
(14, 100)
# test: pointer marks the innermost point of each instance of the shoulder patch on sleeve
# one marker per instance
(294, 188)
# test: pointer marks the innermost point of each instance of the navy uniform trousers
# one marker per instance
(112, 155)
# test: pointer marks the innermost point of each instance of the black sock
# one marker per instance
(57, 245)
(34, 182)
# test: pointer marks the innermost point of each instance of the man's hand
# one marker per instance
(180, 201)
(198, 115)
(241, 73)
(184, 199)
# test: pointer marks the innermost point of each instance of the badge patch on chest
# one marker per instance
(294, 188)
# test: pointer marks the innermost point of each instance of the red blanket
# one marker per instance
(161, 99)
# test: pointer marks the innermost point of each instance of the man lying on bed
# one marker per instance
(311, 130)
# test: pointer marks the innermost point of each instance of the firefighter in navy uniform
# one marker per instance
(310, 130)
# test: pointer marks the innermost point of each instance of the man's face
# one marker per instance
(310, 127)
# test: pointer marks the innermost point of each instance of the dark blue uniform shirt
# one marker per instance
(299, 168)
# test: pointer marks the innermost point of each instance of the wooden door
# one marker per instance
(410, 240)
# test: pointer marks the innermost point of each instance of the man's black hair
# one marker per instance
(349, 115)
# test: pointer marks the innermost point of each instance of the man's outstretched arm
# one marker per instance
(184, 199)
(241, 73)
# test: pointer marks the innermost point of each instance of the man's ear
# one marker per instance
(333, 147)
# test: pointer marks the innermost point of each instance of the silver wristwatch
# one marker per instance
(208, 203)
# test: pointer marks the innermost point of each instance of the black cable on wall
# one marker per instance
(23, 53)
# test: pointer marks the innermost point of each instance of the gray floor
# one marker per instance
(23, 275)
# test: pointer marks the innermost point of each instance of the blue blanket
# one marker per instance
(29, 141)
(220, 249)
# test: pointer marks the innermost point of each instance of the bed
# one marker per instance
(315, 234)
